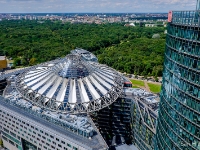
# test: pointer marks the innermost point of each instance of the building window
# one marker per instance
(59, 145)
(69, 145)
(52, 147)
(42, 141)
(49, 140)
(13, 134)
(11, 142)
(4, 138)
(54, 142)
(75, 148)
(6, 130)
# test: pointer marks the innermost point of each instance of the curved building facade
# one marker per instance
(178, 126)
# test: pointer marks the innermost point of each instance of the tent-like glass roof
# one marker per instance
(71, 85)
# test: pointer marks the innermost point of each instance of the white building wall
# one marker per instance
(35, 133)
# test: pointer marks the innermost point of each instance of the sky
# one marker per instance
(98, 6)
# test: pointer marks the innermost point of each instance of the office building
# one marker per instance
(179, 113)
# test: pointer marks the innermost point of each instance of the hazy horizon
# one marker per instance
(94, 6)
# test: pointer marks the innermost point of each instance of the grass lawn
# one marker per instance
(137, 82)
(135, 86)
(154, 87)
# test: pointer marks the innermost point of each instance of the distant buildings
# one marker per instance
(151, 25)
(97, 18)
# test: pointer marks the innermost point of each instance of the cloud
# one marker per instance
(24, 6)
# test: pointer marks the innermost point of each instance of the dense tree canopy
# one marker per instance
(128, 49)
(140, 56)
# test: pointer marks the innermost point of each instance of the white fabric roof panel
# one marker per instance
(72, 92)
(107, 79)
(54, 88)
(83, 92)
(47, 85)
(101, 88)
(102, 81)
(45, 78)
(61, 94)
(105, 74)
(94, 93)
(27, 79)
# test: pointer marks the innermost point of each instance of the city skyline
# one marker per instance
(93, 6)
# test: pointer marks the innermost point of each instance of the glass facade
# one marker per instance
(178, 126)
(115, 121)
(144, 121)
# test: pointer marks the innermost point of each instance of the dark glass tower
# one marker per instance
(178, 125)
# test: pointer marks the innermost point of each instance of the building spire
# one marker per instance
(198, 5)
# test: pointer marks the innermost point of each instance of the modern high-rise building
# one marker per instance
(178, 126)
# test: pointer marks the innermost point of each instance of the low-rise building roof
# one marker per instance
(2, 57)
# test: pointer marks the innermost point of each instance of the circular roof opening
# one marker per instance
(75, 67)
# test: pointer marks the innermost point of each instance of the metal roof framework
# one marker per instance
(44, 86)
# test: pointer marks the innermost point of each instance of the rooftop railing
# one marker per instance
(191, 18)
